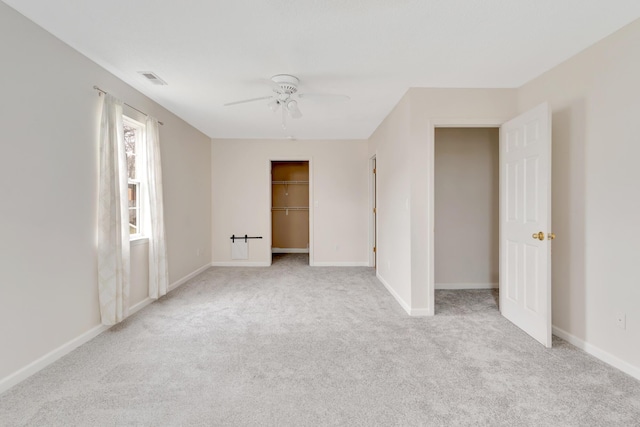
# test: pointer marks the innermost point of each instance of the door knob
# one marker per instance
(539, 235)
(552, 236)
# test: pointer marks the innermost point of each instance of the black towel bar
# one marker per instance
(233, 238)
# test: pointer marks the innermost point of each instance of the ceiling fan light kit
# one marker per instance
(294, 111)
(273, 105)
(285, 86)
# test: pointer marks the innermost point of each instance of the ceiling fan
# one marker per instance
(285, 97)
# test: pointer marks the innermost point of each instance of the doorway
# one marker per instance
(290, 211)
(525, 218)
(466, 219)
(373, 212)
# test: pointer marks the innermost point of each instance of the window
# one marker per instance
(133, 137)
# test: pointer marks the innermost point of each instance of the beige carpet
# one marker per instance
(292, 345)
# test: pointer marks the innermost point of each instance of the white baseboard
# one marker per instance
(139, 306)
(393, 293)
(189, 276)
(414, 312)
(598, 353)
(289, 251)
(66, 348)
(420, 312)
(453, 286)
(41, 363)
(341, 264)
(240, 264)
(312, 263)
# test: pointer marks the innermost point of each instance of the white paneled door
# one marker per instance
(525, 222)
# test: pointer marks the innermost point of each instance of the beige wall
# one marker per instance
(49, 117)
(595, 99)
(390, 144)
(139, 286)
(241, 202)
(466, 207)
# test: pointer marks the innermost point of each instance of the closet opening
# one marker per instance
(466, 220)
(373, 211)
(290, 211)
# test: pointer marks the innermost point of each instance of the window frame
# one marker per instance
(140, 129)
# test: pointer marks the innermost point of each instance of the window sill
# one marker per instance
(141, 240)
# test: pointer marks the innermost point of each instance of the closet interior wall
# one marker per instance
(290, 206)
(466, 208)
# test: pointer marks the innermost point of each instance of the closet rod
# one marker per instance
(289, 182)
(101, 91)
(293, 208)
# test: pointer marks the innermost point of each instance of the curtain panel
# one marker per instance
(113, 216)
(154, 213)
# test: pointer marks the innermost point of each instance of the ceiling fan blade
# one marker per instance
(328, 96)
(247, 100)
(273, 85)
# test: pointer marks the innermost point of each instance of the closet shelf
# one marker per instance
(289, 182)
(292, 208)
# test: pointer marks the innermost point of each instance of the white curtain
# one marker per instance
(154, 213)
(113, 216)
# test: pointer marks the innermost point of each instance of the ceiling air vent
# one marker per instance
(152, 77)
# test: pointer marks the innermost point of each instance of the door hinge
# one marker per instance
(374, 170)
(374, 210)
(374, 249)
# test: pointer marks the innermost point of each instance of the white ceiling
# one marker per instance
(211, 52)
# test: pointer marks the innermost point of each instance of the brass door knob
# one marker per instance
(539, 235)
(552, 236)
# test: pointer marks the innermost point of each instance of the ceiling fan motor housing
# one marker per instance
(287, 84)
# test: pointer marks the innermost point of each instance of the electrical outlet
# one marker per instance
(621, 320)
